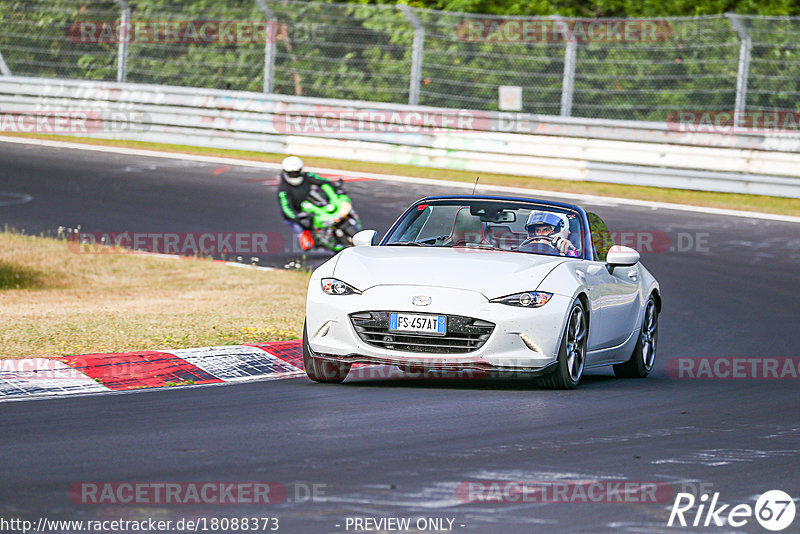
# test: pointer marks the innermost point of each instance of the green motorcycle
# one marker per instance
(335, 220)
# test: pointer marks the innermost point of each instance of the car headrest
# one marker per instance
(467, 229)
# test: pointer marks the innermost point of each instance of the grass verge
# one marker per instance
(778, 205)
(54, 302)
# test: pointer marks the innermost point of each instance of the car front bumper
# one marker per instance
(523, 339)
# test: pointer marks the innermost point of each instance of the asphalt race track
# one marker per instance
(400, 446)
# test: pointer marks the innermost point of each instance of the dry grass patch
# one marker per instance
(56, 302)
(14, 277)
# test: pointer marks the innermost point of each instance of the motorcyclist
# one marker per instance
(547, 228)
(293, 194)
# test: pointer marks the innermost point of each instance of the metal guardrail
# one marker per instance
(629, 152)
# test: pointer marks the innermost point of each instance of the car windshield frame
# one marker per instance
(585, 252)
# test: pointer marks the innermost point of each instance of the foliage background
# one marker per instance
(363, 51)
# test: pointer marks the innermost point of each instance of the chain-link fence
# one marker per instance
(614, 68)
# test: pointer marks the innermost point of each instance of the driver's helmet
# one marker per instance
(543, 223)
(292, 170)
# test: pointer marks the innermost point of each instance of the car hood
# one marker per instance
(491, 273)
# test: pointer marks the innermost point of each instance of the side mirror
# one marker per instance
(621, 256)
(365, 238)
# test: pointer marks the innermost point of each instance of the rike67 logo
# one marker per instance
(774, 510)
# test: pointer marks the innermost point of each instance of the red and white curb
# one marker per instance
(103, 373)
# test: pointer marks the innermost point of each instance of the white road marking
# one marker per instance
(11, 199)
(42, 376)
(720, 457)
(238, 363)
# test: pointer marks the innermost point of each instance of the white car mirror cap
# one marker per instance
(365, 238)
(621, 256)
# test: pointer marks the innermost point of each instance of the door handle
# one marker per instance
(633, 274)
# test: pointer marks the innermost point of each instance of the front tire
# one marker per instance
(320, 370)
(572, 353)
(644, 354)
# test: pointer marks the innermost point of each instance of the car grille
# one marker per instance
(464, 334)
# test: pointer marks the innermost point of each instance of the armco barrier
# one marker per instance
(627, 152)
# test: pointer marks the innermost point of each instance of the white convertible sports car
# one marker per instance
(484, 283)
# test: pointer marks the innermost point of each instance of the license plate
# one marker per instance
(435, 325)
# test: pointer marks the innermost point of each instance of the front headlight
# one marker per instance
(332, 286)
(528, 299)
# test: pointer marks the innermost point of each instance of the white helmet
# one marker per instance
(293, 170)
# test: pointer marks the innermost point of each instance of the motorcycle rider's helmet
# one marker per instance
(292, 170)
(543, 223)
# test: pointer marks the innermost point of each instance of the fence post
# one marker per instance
(4, 70)
(568, 77)
(124, 34)
(416, 54)
(269, 45)
(744, 68)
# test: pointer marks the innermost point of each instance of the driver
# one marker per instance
(546, 228)
(294, 188)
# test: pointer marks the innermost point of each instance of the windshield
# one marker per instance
(492, 225)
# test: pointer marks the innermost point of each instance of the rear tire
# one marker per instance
(644, 354)
(350, 227)
(572, 353)
(321, 370)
